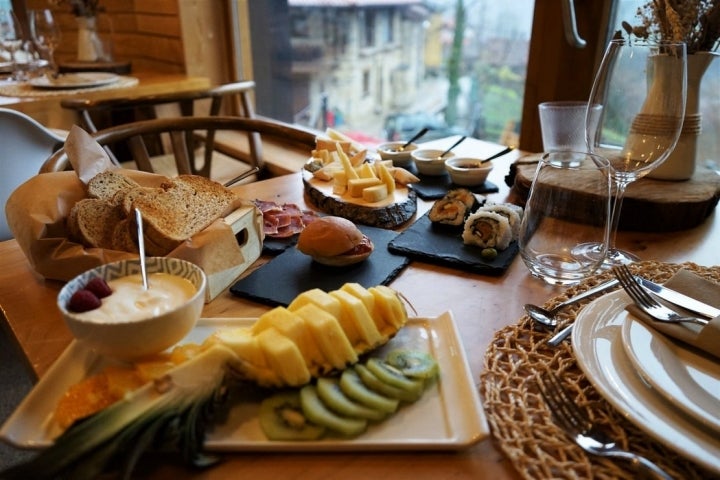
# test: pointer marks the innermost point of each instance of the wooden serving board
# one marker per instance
(395, 210)
(649, 205)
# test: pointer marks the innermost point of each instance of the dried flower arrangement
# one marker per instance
(695, 22)
(81, 8)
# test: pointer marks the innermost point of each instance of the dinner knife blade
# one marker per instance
(680, 299)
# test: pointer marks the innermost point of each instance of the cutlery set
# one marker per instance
(566, 413)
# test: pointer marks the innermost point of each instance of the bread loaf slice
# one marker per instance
(92, 221)
(187, 205)
(105, 185)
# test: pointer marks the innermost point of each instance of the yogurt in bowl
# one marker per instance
(132, 322)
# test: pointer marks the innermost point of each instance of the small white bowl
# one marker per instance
(128, 340)
(391, 151)
(468, 171)
(429, 162)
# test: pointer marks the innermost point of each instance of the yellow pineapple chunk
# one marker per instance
(241, 341)
(328, 334)
(293, 327)
(362, 293)
(388, 307)
(318, 297)
(284, 358)
(357, 317)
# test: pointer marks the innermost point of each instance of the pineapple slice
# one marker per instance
(320, 298)
(330, 337)
(358, 319)
(388, 307)
(284, 358)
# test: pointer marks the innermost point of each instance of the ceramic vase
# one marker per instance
(680, 165)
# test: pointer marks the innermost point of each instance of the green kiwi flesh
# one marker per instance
(281, 418)
(316, 411)
(331, 394)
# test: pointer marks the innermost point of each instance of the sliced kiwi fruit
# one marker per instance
(353, 387)
(374, 383)
(392, 376)
(331, 394)
(315, 410)
(282, 418)
(413, 363)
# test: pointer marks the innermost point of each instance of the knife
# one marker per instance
(680, 299)
(676, 298)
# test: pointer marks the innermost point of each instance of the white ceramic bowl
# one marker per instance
(127, 340)
(400, 158)
(468, 171)
(429, 162)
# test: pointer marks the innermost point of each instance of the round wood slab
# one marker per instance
(389, 213)
(649, 205)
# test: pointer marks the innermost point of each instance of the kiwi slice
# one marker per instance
(413, 363)
(392, 376)
(315, 410)
(281, 418)
(374, 383)
(354, 388)
(331, 394)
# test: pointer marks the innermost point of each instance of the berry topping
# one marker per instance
(83, 301)
(99, 287)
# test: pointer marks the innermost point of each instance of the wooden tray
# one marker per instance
(650, 205)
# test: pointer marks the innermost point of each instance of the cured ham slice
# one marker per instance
(283, 221)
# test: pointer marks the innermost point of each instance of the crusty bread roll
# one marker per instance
(334, 241)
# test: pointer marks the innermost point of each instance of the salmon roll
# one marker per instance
(487, 230)
(513, 213)
(453, 209)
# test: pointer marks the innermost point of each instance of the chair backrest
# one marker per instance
(98, 114)
(25, 145)
(179, 130)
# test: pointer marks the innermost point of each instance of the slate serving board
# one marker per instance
(433, 187)
(290, 273)
(442, 246)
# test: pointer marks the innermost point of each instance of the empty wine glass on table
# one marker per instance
(641, 88)
(11, 39)
(45, 34)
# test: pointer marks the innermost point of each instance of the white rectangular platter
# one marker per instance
(449, 416)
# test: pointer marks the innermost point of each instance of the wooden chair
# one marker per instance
(98, 114)
(179, 130)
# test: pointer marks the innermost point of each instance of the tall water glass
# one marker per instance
(567, 208)
(641, 88)
(11, 39)
(45, 34)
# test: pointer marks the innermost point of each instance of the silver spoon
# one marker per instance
(462, 139)
(547, 318)
(499, 154)
(416, 137)
(141, 247)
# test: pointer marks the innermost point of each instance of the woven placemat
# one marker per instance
(519, 420)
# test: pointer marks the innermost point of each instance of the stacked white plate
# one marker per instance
(669, 391)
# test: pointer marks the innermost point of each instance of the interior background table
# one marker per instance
(480, 304)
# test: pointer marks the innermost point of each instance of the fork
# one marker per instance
(646, 302)
(575, 423)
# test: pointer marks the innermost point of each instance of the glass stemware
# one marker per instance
(641, 88)
(45, 34)
(11, 39)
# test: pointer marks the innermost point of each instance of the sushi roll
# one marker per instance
(487, 230)
(453, 208)
(512, 212)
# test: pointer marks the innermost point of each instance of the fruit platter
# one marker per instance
(265, 372)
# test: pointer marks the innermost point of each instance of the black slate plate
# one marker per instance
(442, 246)
(275, 246)
(280, 280)
(432, 187)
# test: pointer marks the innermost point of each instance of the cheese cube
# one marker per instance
(375, 193)
(357, 185)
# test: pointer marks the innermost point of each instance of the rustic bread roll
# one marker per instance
(334, 241)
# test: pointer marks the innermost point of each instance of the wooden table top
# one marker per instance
(481, 305)
(47, 110)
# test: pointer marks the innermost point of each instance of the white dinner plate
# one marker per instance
(448, 416)
(687, 379)
(597, 342)
(74, 80)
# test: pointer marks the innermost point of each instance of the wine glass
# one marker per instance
(641, 90)
(45, 34)
(11, 38)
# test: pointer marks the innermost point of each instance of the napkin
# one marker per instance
(705, 338)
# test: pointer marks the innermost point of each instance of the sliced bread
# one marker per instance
(92, 221)
(105, 185)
